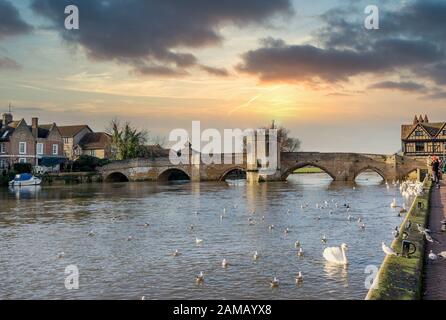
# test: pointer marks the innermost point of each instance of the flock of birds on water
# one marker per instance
(334, 255)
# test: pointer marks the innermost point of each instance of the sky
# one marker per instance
(311, 66)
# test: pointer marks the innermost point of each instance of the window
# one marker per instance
(3, 164)
(2, 148)
(419, 147)
(65, 140)
(22, 148)
(40, 148)
(22, 160)
(93, 153)
(55, 149)
(418, 133)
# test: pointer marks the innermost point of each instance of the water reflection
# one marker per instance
(36, 225)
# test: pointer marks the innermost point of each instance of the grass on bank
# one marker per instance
(400, 278)
(307, 170)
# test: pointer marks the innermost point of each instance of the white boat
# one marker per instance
(24, 179)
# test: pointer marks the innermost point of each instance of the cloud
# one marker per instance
(220, 72)
(401, 86)
(437, 96)
(8, 64)
(412, 39)
(151, 33)
(11, 23)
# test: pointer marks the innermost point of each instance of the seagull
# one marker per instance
(324, 239)
(349, 218)
(300, 253)
(286, 231)
(256, 256)
(198, 241)
(408, 225)
(176, 253)
(129, 238)
(191, 227)
(299, 278)
(393, 204)
(224, 263)
(200, 278)
(432, 256)
(91, 233)
(271, 227)
(274, 283)
(61, 255)
(396, 233)
(359, 220)
(196, 213)
(297, 244)
(362, 226)
(421, 229)
(251, 222)
(288, 211)
(387, 250)
(146, 225)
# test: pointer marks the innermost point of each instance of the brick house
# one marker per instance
(95, 144)
(39, 145)
(71, 136)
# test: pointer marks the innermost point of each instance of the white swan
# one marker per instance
(198, 241)
(393, 204)
(224, 263)
(387, 250)
(336, 255)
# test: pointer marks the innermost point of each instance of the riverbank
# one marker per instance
(400, 278)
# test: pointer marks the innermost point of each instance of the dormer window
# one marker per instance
(418, 133)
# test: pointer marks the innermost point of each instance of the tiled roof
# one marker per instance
(431, 128)
(95, 140)
(71, 131)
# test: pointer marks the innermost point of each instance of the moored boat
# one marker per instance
(25, 179)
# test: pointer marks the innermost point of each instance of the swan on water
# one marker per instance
(224, 263)
(432, 256)
(274, 283)
(387, 250)
(200, 278)
(393, 204)
(198, 241)
(336, 255)
(299, 278)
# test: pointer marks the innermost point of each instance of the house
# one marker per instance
(423, 138)
(95, 144)
(72, 135)
(39, 145)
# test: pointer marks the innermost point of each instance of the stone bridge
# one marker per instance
(339, 166)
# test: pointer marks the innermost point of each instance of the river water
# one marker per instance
(38, 224)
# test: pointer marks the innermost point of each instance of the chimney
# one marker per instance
(35, 126)
(7, 118)
(415, 120)
(420, 119)
(426, 119)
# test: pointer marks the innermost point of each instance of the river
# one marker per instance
(38, 224)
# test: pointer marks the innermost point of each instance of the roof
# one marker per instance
(7, 131)
(71, 131)
(95, 140)
(432, 128)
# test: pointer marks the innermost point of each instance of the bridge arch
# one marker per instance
(174, 174)
(290, 170)
(230, 171)
(117, 177)
(370, 168)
